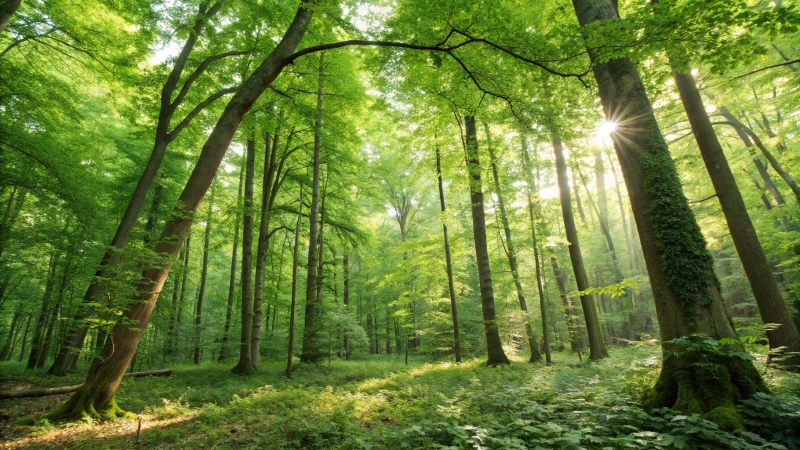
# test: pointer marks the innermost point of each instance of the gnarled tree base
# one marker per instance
(705, 384)
(84, 404)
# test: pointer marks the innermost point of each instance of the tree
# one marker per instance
(448, 259)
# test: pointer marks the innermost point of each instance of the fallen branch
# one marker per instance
(67, 389)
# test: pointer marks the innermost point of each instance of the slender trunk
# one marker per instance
(494, 345)
(24, 339)
(681, 269)
(41, 323)
(310, 352)
(511, 251)
(448, 259)
(571, 314)
(226, 331)
(793, 67)
(346, 303)
(292, 307)
(597, 348)
(765, 288)
(245, 364)
(6, 353)
(198, 315)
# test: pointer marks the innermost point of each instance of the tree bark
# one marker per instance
(494, 345)
(765, 288)
(198, 314)
(597, 348)
(292, 307)
(7, 9)
(41, 324)
(245, 364)
(685, 288)
(310, 352)
(575, 339)
(511, 251)
(450, 284)
(226, 331)
(97, 395)
(346, 303)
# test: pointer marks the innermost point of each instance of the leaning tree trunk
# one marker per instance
(765, 288)
(310, 352)
(511, 251)
(597, 349)
(96, 397)
(449, 261)
(198, 314)
(494, 345)
(226, 331)
(685, 288)
(245, 364)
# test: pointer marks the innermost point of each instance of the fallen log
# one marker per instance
(67, 389)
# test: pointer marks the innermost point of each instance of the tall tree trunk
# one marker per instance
(310, 352)
(7, 9)
(681, 269)
(245, 364)
(41, 323)
(346, 303)
(511, 251)
(5, 355)
(198, 314)
(575, 339)
(292, 307)
(270, 166)
(765, 288)
(449, 261)
(597, 348)
(163, 136)
(226, 331)
(494, 345)
(24, 339)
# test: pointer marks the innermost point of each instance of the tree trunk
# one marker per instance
(575, 339)
(24, 339)
(7, 9)
(346, 303)
(292, 307)
(765, 288)
(597, 348)
(494, 345)
(685, 288)
(41, 324)
(226, 331)
(198, 315)
(511, 251)
(310, 352)
(245, 364)
(5, 355)
(97, 395)
(448, 259)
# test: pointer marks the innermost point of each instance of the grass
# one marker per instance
(382, 403)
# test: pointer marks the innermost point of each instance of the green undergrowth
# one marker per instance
(382, 403)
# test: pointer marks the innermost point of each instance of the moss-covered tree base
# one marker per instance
(243, 369)
(706, 384)
(85, 405)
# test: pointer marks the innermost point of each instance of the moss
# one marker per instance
(82, 405)
(688, 265)
(726, 417)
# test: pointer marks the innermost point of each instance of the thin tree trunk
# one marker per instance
(448, 259)
(597, 348)
(346, 303)
(25, 339)
(5, 355)
(310, 352)
(226, 331)
(494, 345)
(245, 364)
(41, 323)
(198, 315)
(292, 307)
(571, 314)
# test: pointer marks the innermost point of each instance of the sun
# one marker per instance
(606, 128)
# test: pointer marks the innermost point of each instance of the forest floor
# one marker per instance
(380, 402)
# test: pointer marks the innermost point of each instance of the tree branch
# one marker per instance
(211, 98)
(199, 71)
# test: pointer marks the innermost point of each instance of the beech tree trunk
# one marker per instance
(198, 313)
(685, 288)
(571, 314)
(766, 291)
(597, 349)
(450, 285)
(346, 303)
(292, 307)
(41, 324)
(511, 251)
(226, 331)
(245, 364)
(494, 345)
(310, 352)
(7, 9)
(96, 397)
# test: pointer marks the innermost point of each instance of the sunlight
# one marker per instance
(606, 128)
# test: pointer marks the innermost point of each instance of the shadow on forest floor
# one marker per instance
(370, 403)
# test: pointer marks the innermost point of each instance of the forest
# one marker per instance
(400, 224)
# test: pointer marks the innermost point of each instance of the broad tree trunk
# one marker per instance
(310, 352)
(163, 136)
(685, 288)
(292, 307)
(7, 9)
(765, 288)
(97, 395)
(511, 251)
(449, 261)
(597, 349)
(494, 345)
(198, 313)
(226, 331)
(245, 364)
